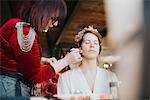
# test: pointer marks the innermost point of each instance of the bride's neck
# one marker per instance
(88, 65)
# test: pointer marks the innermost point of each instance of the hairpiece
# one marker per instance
(80, 34)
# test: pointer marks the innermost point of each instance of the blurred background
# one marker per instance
(125, 27)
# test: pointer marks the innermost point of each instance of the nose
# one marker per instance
(92, 45)
(56, 23)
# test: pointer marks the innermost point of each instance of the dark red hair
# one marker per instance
(39, 12)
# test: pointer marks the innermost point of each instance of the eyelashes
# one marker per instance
(88, 42)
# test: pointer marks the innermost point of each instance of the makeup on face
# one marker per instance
(90, 45)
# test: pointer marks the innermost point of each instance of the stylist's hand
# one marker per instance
(70, 58)
(52, 61)
(74, 56)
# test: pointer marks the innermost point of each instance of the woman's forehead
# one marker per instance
(90, 36)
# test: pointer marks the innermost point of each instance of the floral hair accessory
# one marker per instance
(80, 34)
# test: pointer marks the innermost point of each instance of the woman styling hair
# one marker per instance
(20, 51)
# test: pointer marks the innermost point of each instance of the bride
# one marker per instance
(88, 78)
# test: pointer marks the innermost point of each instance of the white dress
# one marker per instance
(73, 82)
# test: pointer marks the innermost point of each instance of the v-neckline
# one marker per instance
(86, 82)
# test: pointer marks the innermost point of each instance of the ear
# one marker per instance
(80, 48)
(80, 51)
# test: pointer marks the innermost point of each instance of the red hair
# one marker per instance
(39, 12)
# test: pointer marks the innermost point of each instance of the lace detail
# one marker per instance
(25, 41)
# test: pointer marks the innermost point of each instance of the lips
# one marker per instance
(91, 51)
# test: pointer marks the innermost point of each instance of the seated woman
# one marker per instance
(88, 78)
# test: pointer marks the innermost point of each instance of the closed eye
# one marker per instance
(87, 42)
(96, 42)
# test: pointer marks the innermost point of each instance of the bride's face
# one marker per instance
(90, 46)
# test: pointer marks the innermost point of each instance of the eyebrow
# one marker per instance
(89, 40)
